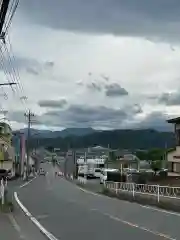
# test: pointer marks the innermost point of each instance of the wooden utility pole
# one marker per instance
(29, 116)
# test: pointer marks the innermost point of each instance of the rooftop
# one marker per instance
(174, 120)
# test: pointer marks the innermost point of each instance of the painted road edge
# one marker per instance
(49, 235)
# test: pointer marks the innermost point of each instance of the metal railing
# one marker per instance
(82, 180)
(3, 186)
(152, 190)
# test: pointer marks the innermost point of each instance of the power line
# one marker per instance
(10, 16)
(3, 12)
(11, 73)
(10, 84)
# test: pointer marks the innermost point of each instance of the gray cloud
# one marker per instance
(123, 17)
(53, 103)
(17, 116)
(170, 99)
(94, 86)
(32, 71)
(30, 65)
(136, 109)
(80, 115)
(98, 117)
(156, 120)
(18, 62)
(115, 90)
(49, 64)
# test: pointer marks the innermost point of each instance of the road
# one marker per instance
(16, 225)
(72, 213)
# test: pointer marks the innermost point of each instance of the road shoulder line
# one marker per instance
(49, 235)
(142, 206)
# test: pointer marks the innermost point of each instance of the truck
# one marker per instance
(91, 167)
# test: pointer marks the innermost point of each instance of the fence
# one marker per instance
(3, 185)
(145, 189)
(82, 180)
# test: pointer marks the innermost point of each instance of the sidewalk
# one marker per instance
(8, 229)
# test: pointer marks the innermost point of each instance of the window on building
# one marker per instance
(170, 166)
(174, 167)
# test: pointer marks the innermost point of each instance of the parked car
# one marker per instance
(3, 174)
(10, 175)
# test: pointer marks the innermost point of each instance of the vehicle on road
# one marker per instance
(90, 167)
(3, 174)
(10, 175)
(42, 172)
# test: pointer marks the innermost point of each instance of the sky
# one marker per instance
(106, 64)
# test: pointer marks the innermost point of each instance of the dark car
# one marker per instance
(3, 174)
(42, 172)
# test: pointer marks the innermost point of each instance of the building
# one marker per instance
(173, 155)
(7, 153)
(18, 142)
(123, 159)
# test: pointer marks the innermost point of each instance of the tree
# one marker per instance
(156, 154)
(142, 155)
(112, 156)
(156, 165)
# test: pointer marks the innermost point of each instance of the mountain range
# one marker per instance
(36, 133)
(87, 137)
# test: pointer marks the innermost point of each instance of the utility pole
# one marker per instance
(29, 115)
(108, 158)
(86, 166)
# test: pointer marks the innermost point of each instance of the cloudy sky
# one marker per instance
(103, 64)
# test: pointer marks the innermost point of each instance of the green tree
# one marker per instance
(142, 155)
(156, 165)
(156, 154)
(112, 156)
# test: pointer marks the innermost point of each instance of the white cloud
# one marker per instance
(65, 64)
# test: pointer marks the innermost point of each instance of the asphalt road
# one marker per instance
(16, 225)
(71, 213)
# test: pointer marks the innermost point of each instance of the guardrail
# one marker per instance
(152, 190)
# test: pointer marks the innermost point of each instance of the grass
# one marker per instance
(7, 207)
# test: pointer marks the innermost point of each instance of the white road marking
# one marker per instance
(26, 183)
(143, 206)
(134, 225)
(92, 193)
(160, 210)
(49, 235)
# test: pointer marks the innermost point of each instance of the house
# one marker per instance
(18, 142)
(173, 155)
(126, 159)
(7, 153)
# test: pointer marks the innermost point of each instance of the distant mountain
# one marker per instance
(35, 133)
(125, 139)
(76, 132)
